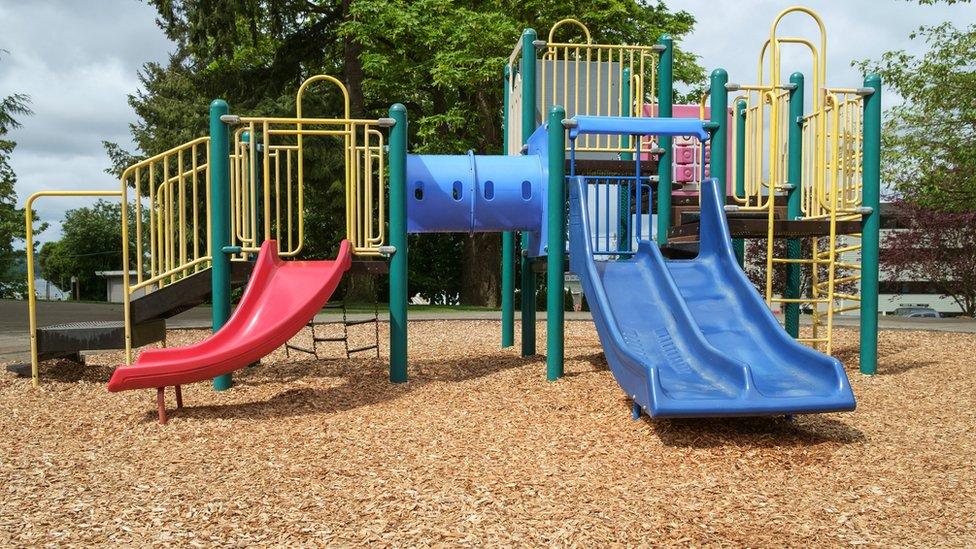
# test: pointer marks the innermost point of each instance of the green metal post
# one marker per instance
(719, 107)
(556, 245)
(739, 245)
(398, 240)
(794, 176)
(508, 241)
(623, 201)
(528, 126)
(665, 97)
(870, 232)
(219, 224)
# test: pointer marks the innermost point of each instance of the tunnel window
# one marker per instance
(456, 192)
(489, 190)
(418, 190)
(526, 190)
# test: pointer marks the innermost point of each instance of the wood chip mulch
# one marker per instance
(479, 449)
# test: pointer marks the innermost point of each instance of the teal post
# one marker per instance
(508, 241)
(528, 126)
(623, 199)
(219, 224)
(794, 176)
(556, 245)
(719, 106)
(739, 245)
(665, 96)
(870, 232)
(398, 240)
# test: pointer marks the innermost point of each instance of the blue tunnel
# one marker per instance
(474, 193)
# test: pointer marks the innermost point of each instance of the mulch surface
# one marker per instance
(479, 449)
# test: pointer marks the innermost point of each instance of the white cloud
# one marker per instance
(78, 61)
(730, 34)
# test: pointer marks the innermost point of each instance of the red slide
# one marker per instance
(280, 299)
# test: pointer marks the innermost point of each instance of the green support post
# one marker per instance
(739, 245)
(870, 232)
(794, 176)
(623, 201)
(556, 244)
(220, 224)
(398, 240)
(665, 97)
(528, 126)
(508, 241)
(719, 107)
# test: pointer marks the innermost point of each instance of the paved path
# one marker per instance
(15, 343)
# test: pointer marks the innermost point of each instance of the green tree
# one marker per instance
(91, 240)
(929, 140)
(442, 58)
(12, 280)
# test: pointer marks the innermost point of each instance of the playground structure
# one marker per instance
(669, 353)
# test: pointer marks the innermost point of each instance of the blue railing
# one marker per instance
(615, 209)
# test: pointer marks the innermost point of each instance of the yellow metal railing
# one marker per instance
(830, 186)
(31, 287)
(586, 79)
(170, 192)
(172, 189)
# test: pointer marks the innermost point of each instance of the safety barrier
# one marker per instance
(829, 186)
(586, 79)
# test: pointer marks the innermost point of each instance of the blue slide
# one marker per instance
(693, 338)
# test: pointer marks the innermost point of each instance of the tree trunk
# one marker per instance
(353, 68)
(480, 270)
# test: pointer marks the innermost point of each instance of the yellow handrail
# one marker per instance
(31, 289)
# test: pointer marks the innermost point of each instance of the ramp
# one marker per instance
(692, 337)
(280, 299)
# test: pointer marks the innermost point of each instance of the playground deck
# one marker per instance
(479, 448)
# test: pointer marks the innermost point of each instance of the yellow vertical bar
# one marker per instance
(181, 181)
(266, 172)
(196, 207)
(152, 221)
(139, 254)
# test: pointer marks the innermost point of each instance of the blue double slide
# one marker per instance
(693, 338)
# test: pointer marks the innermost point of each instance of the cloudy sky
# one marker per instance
(78, 60)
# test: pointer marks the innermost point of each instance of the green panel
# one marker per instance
(623, 203)
(556, 244)
(794, 177)
(665, 96)
(739, 245)
(398, 239)
(528, 126)
(871, 179)
(220, 223)
(508, 242)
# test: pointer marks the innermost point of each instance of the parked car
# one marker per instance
(917, 312)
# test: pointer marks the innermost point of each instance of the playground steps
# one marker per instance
(148, 314)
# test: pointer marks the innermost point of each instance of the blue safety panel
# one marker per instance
(626, 125)
(692, 338)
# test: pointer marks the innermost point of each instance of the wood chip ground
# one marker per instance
(479, 449)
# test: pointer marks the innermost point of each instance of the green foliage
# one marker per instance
(12, 282)
(929, 141)
(91, 241)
